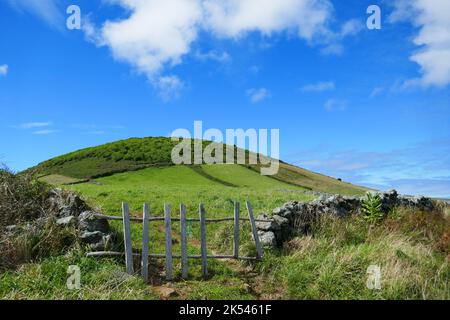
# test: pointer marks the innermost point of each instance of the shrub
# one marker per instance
(32, 232)
(409, 247)
(33, 242)
(432, 228)
(22, 197)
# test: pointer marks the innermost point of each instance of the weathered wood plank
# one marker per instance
(183, 235)
(145, 240)
(259, 251)
(204, 253)
(127, 238)
(161, 256)
(134, 219)
(168, 228)
(236, 230)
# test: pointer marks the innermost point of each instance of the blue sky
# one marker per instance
(368, 106)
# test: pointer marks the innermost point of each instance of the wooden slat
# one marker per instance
(145, 240)
(168, 228)
(134, 219)
(183, 236)
(127, 238)
(259, 251)
(204, 253)
(161, 256)
(236, 230)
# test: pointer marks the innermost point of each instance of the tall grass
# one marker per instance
(28, 231)
(410, 247)
(22, 197)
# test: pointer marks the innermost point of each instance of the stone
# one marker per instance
(275, 223)
(11, 228)
(66, 221)
(267, 239)
(102, 245)
(88, 222)
(277, 211)
(66, 203)
(296, 218)
(91, 237)
(332, 199)
(289, 206)
(264, 226)
(166, 292)
(279, 222)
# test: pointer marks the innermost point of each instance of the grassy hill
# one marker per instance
(412, 248)
(139, 153)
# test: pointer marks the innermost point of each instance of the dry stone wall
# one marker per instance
(297, 217)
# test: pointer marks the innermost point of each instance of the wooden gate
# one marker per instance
(168, 255)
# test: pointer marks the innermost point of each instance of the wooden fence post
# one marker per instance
(184, 254)
(145, 240)
(204, 253)
(259, 251)
(168, 228)
(236, 230)
(127, 238)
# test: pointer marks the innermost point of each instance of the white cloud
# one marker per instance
(336, 49)
(235, 18)
(169, 87)
(336, 105)
(319, 87)
(351, 28)
(47, 10)
(44, 132)
(334, 39)
(32, 125)
(376, 92)
(4, 69)
(213, 55)
(41, 128)
(97, 132)
(258, 95)
(156, 35)
(432, 17)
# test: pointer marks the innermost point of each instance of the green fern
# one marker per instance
(371, 208)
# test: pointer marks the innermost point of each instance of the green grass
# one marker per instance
(174, 185)
(182, 184)
(411, 248)
(103, 279)
(333, 264)
(110, 158)
(57, 179)
(317, 182)
(138, 153)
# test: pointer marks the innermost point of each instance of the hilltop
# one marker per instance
(140, 153)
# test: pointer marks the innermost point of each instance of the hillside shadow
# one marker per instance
(199, 170)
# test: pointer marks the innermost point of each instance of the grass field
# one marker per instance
(138, 153)
(215, 186)
(411, 248)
